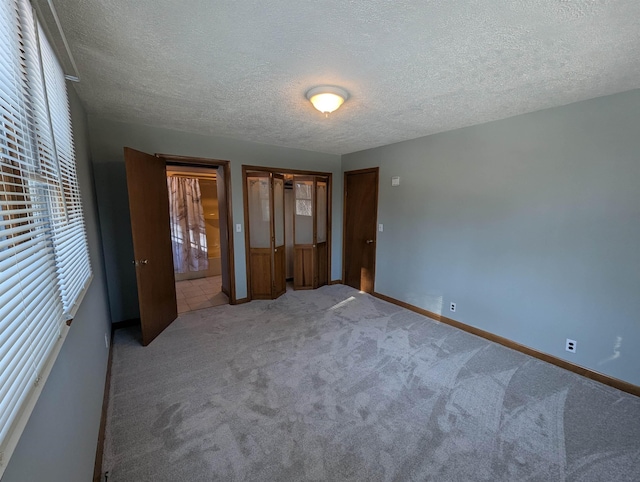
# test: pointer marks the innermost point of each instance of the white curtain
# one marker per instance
(188, 235)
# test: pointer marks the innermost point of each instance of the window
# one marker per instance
(44, 258)
(304, 205)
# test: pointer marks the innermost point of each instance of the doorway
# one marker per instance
(222, 172)
(195, 237)
(150, 227)
(359, 230)
(288, 230)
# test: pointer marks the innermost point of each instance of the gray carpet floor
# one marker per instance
(334, 384)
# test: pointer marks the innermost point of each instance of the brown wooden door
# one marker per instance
(264, 202)
(311, 249)
(258, 211)
(225, 238)
(149, 208)
(360, 216)
(278, 240)
(304, 233)
(322, 232)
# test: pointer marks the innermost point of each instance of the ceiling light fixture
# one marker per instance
(327, 98)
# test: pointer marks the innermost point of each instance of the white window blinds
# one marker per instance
(44, 261)
(72, 255)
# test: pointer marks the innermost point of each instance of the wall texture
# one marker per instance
(107, 141)
(530, 224)
(59, 441)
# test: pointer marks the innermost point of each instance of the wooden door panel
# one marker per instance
(361, 211)
(322, 277)
(261, 273)
(149, 207)
(259, 233)
(278, 235)
(321, 209)
(304, 231)
(303, 267)
(279, 271)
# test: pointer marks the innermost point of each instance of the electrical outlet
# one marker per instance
(571, 345)
(381, 227)
(106, 341)
(238, 228)
(452, 307)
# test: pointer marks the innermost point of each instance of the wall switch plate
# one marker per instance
(380, 227)
(452, 307)
(238, 228)
(395, 181)
(571, 345)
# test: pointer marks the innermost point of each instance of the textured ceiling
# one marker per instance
(241, 68)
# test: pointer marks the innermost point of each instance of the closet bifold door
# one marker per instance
(260, 200)
(304, 232)
(279, 251)
(322, 249)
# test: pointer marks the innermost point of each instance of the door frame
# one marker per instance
(187, 161)
(245, 197)
(375, 170)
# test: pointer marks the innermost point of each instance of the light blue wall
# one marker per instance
(530, 224)
(60, 439)
(107, 141)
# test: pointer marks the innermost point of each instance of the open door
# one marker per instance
(225, 238)
(360, 217)
(310, 232)
(265, 209)
(149, 207)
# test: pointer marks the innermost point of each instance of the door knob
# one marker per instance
(369, 241)
(144, 261)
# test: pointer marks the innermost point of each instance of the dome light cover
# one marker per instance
(327, 98)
